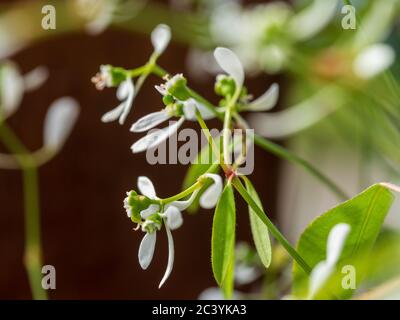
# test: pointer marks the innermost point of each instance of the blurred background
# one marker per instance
(85, 232)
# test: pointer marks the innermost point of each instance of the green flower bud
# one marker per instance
(134, 204)
(224, 86)
(177, 88)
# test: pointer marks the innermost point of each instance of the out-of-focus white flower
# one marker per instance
(215, 293)
(171, 214)
(373, 60)
(323, 270)
(310, 21)
(13, 85)
(59, 122)
(245, 274)
(126, 94)
(263, 35)
(101, 13)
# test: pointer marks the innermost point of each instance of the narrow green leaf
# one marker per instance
(223, 235)
(259, 229)
(228, 283)
(365, 214)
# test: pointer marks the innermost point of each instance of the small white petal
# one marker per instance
(336, 239)
(128, 102)
(146, 249)
(114, 114)
(265, 102)
(373, 60)
(157, 137)
(146, 187)
(150, 121)
(122, 91)
(230, 63)
(318, 277)
(210, 197)
(59, 122)
(35, 78)
(184, 204)
(152, 209)
(171, 254)
(12, 89)
(174, 217)
(189, 109)
(160, 38)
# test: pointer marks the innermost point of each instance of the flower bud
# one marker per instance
(224, 86)
(177, 88)
(134, 204)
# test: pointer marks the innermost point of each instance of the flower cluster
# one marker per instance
(150, 213)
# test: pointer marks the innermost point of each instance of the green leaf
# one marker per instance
(228, 283)
(365, 214)
(223, 236)
(202, 163)
(259, 229)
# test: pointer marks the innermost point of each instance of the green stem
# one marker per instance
(33, 249)
(271, 227)
(182, 194)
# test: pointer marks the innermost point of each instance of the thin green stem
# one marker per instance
(182, 194)
(33, 260)
(271, 227)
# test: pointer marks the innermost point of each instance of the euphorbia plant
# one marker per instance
(345, 231)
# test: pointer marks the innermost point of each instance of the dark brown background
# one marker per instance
(86, 234)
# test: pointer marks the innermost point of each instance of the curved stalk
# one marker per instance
(33, 260)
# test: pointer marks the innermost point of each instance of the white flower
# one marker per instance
(151, 120)
(126, 94)
(323, 270)
(13, 85)
(231, 64)
(171, 214)
(373, 60)
(59, 122)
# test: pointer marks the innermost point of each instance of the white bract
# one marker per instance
(230, 63)
(126, 94)
(59, 122)
(156, 137)
(160, 38)
(170, 214)
(323, 270)
(13, 85)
